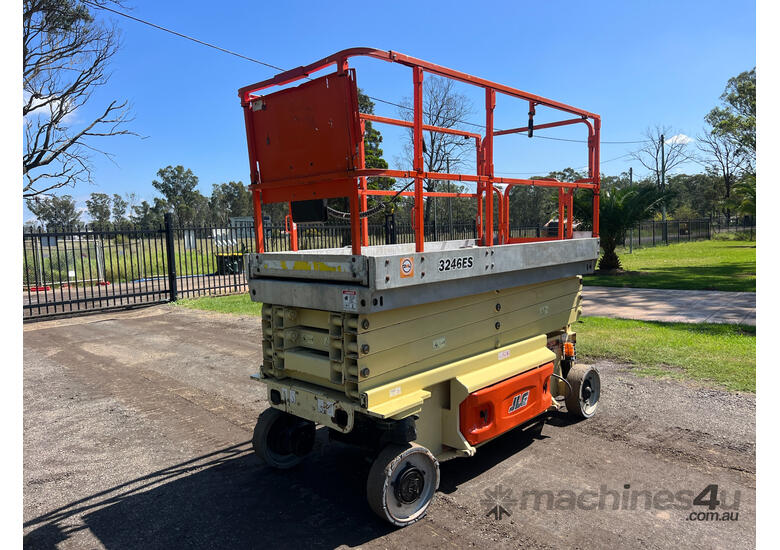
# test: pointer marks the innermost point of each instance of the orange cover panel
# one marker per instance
(308, 130)
(493, 410)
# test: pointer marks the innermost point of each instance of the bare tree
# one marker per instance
(65, 58)
(661, 153)
(727, 157)
(446, 108)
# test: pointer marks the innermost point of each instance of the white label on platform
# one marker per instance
(504, 354)
(349, 300)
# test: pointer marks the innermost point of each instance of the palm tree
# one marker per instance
(746, 190)
(620, 209)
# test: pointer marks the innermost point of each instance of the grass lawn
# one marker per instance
(724, 354)
(237, 304)
(702, 265)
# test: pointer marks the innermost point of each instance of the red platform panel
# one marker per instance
(307, 130)
(491, 411)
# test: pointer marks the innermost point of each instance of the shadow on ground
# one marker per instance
(228, 499)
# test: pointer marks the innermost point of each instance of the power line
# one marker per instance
(585, 141)
(201, 42)
(277, 68)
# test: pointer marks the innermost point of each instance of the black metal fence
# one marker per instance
(655, 233)
(86, 269)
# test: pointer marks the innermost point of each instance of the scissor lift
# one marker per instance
(416, 352)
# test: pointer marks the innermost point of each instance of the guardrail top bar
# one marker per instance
(284, 188)
(339, 58)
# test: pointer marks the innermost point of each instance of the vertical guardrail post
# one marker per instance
(169, 251)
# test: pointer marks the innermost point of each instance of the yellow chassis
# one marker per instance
(420, 361)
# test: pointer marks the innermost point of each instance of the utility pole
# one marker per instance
(663, 179)
(630, 175)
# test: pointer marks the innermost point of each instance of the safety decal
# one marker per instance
(407, 267)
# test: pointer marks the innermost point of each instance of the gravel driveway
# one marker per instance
(136, 429)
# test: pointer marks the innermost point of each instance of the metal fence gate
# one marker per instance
(69, 271)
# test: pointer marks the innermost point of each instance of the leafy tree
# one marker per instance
(55, 211)
(620, 209)
(696, 195)
(727, 159)
(177, 185)
(730, 142)
(537, 205)
(228, 200)
(372, 141)
(200, 212)
(149, 216)
(736, 117)
(373, 154)
(65, 60)
(99, 208)
(118, 209)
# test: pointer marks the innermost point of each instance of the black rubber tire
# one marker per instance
(580, 377)
(384, 471)
(260, 440)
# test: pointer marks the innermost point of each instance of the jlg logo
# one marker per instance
(520, 401)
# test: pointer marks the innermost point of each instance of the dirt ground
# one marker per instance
(136, 429)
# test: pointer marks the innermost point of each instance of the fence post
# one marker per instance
(169, 249)
(390, 228)
(653, 232)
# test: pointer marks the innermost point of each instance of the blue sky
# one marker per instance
(637, 64)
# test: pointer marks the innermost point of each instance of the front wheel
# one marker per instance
(402, 482)
(282, 440)
(582, 399)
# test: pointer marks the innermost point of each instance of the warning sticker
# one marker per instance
(349, 300)
(407, 267)
(326, 407)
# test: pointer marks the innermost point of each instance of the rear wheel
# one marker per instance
(282, 440)
(402, 482)
(582, 400)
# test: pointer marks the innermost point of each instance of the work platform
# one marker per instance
(393, 276)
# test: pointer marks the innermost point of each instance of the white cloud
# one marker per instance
(679, 138)
(51, 108)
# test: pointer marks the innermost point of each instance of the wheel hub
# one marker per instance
(409, 485)
(587, 391)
